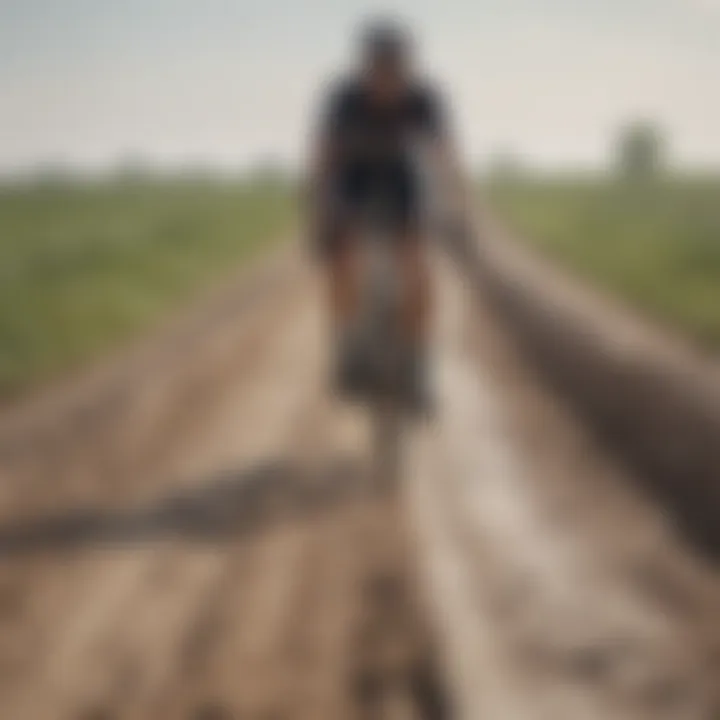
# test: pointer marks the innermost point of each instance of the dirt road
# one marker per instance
(199, 538)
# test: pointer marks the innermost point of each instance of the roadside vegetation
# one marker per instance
(84, 267)
(649, 235)
(657, 246)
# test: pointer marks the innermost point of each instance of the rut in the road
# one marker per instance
(395, 666)
(317, 617)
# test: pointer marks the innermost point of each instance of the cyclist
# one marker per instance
(363, 152)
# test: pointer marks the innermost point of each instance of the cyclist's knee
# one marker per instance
(413, 260)
(343, 275)
(343, 260)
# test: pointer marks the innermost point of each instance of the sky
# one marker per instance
(230, 82)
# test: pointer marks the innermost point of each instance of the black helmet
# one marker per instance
(385, 39)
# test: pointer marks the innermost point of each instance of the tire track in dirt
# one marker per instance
(649, 395)
(543, 542)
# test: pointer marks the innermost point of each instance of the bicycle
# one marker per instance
(380, 314)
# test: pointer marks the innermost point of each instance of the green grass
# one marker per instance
(83, 268)
(657, 244)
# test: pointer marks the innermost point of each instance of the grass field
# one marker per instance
(657, 244)
(84, 267)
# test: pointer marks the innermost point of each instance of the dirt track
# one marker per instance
(196, 536)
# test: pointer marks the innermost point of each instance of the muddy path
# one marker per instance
(207, 542)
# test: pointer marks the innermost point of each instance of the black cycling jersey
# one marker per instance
(370, 148)
(371, 141)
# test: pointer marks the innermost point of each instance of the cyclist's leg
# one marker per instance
(415, 316)
(343, 272)
(342, 250)
(415, 281)
(343, 281)
(411, 256)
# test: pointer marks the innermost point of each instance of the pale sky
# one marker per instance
(226, 81)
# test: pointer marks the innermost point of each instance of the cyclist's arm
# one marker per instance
(448, 169)
(454, 180)
(322, 161)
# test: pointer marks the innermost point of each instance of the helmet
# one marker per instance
(385, 39)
